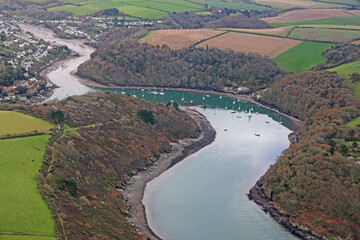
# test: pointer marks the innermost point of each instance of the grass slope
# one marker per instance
(22, 208)
(347, 69)
(328, 21)
(234, 5)
(24, 237)
(15, 123)
(354, 122)
(323, 34)
(303, 56)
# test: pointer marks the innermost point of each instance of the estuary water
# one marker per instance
(204, 196)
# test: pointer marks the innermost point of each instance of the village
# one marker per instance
(22, 57)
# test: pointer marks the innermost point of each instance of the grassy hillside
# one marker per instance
(303, 56)
(16, 123)
(139, 9)
(347, 69)
(323, 34)
(328, 21)
(104, 143)
(22, 208)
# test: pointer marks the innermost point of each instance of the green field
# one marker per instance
(142, 12)
(303, 56)
(25, 237)
(354, 122)
(352, 2)
(347, 69)
(132, 8)
(324, 34)
(233, 5)
(168, 7)
(328, 21)
(353, 27)
(16, 123)
(22, 208)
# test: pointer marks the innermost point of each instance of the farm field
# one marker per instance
(347, 69)
(281, 31)
(133, 8)
(233, 5)
(22, 208)
(323, 34)
(303, 57)
(352, 2)
(354, 20)
(24, 237)
(308, 14)
(354, 122)
(283, 4)
(178, 38)
(243, 42)
(15, 123)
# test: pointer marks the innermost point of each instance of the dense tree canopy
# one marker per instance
(132, 63)
(314, 181)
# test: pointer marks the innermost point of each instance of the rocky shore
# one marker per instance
(258, 195)
(134, 190)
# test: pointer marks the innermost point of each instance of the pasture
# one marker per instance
(243, 42)
(323, 34)
(347, 69)
(354, 20)
(284, 4)
(132, 8)
(178, 38)
(16, 123)
(354, 122)
(25, 237)
(308, 14)
(233, 5)
(22, 208)
(303, 56)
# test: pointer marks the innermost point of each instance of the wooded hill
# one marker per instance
(131, 63)
(314, 181)
(103, 143)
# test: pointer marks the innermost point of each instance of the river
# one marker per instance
(61, 73)
(204, 196)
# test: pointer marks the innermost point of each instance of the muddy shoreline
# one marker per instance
(134, 190)
(257, 194)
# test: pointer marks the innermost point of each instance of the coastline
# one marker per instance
(134, 189)
(257, 195)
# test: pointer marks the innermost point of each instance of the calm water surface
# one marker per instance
(204, 196)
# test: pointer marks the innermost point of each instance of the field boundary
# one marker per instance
(206, 39)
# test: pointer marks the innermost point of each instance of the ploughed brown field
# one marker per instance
(180, 38)
(243, 42)
(308, 14)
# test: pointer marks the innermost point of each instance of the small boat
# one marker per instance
(267, 121)
(220, 97)
(257, 113)
(252, 109)
(225, 129)
(207, 95)
(233, 111)
(233, 102)
(172, 101)
(123, 93)
(182, 99)
(191, 101)
(142, 89)
(257, 134)
(162, 93)
(134, 95)
(238, 116)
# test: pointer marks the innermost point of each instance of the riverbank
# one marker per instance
(295, 122)
(134, 190)
(257, 194)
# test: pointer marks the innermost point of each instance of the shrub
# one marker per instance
(146, 116)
